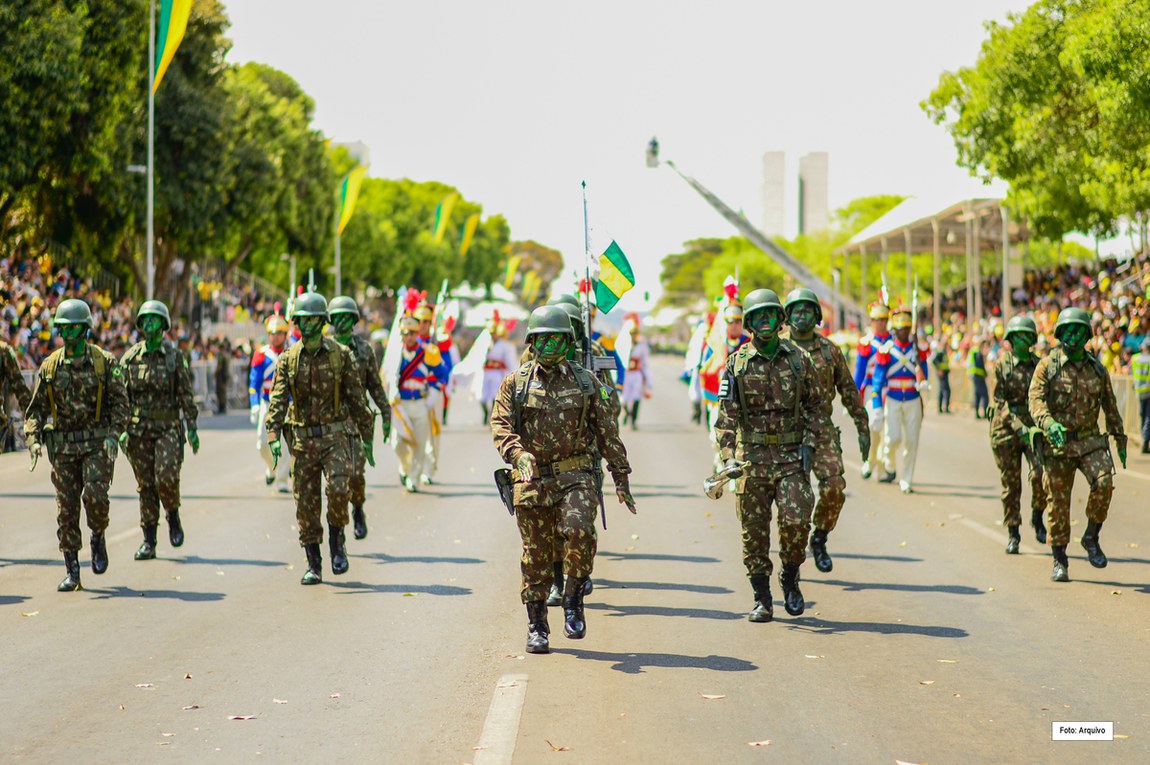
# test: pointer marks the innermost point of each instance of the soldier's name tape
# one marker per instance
(1082, 731)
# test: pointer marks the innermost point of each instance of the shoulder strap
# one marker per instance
(99, 365)
(131, 355)
(48, 372)
(335, 358)
(796, 363)
(1056, 359)
(291, 367)
(586, 387)
(519, 398)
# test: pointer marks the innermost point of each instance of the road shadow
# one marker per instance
(669, 494)
(1142, 588)
(105, 593)
(11, 600)
(385, 558)
(196, 560)
(656, 556)
(637, 663)
(702, 589)
(5, 562)
(864, 556)
(950, 589)
(359, 588)
(433, 491)
(819, 626)
(674, 613)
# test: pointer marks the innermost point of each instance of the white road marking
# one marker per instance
(997, 536)
(1134, 473)
(501, 729)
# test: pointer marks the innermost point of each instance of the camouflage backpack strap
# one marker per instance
(291, 366)
(1007, 365)
(519, 397)
(1056, 359)
(737, 370)
(100, 366)
(171, 361)
(1097, 366)
(587, 387)
(48, 374)
(828, 354)
(796, 362)
(335, 358)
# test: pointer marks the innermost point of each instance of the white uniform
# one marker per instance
(501, 361)
(637, 381)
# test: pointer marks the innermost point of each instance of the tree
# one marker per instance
(682, 274)
(754, 267)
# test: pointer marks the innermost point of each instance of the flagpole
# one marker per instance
(150, 288)
(338, 265)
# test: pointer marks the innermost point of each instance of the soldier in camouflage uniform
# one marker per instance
(344, 314)
(318, 402)
(769, 418)
(1011, 430)
(548, 420)
(11, 384)
(1068, 389)
(79, 406)
(160, 392)
(803, 314)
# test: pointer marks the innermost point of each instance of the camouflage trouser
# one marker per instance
(81, 471)
(1009, 457)
(316, 458)
(753, 500)
(156, 459)
(828, 468)
(552, 512)
(358, 481)
(1098, 468)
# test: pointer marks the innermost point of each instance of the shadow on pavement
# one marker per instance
(677, 613)
(11, 600)
(823, 627)
(357, 588)
(104, 593)
(5, 562)
(657, 556)
(385, 558)
(197, 560)
(669, 494)
(1142, 588)
(950, 589)
(703, 589)
(864, 556)
(433, 491)
(636, 663)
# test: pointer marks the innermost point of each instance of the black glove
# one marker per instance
(807, 453)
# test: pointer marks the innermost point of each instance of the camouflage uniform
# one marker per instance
(1010, 417)
(72, 414)
(11, 384)
(159, 387)
(1071, 393)
(561, 503)
(833, 374)
(373, 386)
(304, 408)
(768, 408)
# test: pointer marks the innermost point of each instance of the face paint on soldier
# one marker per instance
(342, 324)
(153, 329)
(1021, 343)
(765, 324)
(550, 347)
(1074, 338)
(311, 327)
(74, 336)
(803, 320)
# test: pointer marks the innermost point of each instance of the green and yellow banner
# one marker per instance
(615, 277)
(468, 233)
(348, 194)
(510, 271)
(173, 23)
(443, 215)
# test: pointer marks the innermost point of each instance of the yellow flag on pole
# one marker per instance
(468, 233)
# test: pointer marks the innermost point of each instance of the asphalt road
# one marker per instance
(925, 644)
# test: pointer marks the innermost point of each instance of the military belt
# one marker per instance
(1081, 435)
(78, 436)
(165, 415)
(771, 439)
(556, 468)
(315, 431)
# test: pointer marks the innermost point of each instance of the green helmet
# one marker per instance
(575, 314)
(760, 300)
(309, 304)
(73, 311)
(154, 308)
(342, 304)
(1070, 316)
(803, 295)
(549, 318)
(1020, 324)
(565, 298)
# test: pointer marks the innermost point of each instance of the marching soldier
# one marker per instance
(864, 372)
(344, 314)
(1011, 430)
(78, 408)
(259, 390)
(770, 421)
(803, 314)
(318, 402)
(549, 419)
(899, 378)
(11, 384)
(1068, 389)
(419, 366)
(159, 386)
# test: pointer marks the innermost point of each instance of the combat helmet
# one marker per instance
(73, 311)
(803, 295)
(309, 304)
(564, 298)
(760, 300)
(154, 308)
(1020, 324)
(549, 318)
(342, 304)
(1070, 316)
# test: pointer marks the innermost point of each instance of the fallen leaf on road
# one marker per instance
(121, 707)
(926, 682)
(1120, 735)
(176, 577)
(334, 696)
(144, 685)
(812, 656)
(948, 661)
(279, 701)
(904, 762)
(409, 594)
(167, 735)
(759, 743)
(1116, 592)
(219, 573)
(902, 544)
(512, 684)
(557, 748)
(242, 717)
(634, 536)
(1132, 544)
(990, 589)
(713, 696)
(29, 613)
(165, 743)
(706, 515)
(629, 549)
(187, 675)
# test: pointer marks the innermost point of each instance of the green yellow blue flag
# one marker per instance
(468, 233)
(443, 215)
(348, 194)
(615, 277)
(173, 23)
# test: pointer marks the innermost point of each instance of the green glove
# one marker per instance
(385, 425)
(1122, 455)
(367, 452)
(525, 464)
(194, 440)
(864, 444)
(1056, 432)
(276, 449)
(124, 439)
(625, 498)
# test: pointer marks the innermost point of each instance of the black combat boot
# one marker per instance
(587, 586)
(1013, 541)
(764, 609)
(1061, 572)
(792, 595)
(555, 596)
(1039, 526)
(1094, 553)
(574, 624)
(175, 529)
(635, 416)
(537, 628)
(486, 413)
(823, 560)
(338, 549)
(887, 478)
(99, 553)
(314, 573)
(71, 582)
(359, 521)
(147, 550)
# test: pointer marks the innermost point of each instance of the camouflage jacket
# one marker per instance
(768, 408)
(11, 383)
(68, 395)
(159, 388)
(549, 428)
(309, 400)
(1011, 397)
(369, 374)
(1072, 393)
(834, 375)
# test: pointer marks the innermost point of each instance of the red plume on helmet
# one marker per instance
(411, 300)
(731, 289)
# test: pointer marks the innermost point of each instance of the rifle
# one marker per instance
(588, 359)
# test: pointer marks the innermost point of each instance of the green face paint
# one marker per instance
(343, 323)
(153, 329)
(803, 319)
(550, 347)
(1074, 338)
(1021, 343)
(311, 327)
(765, 324)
